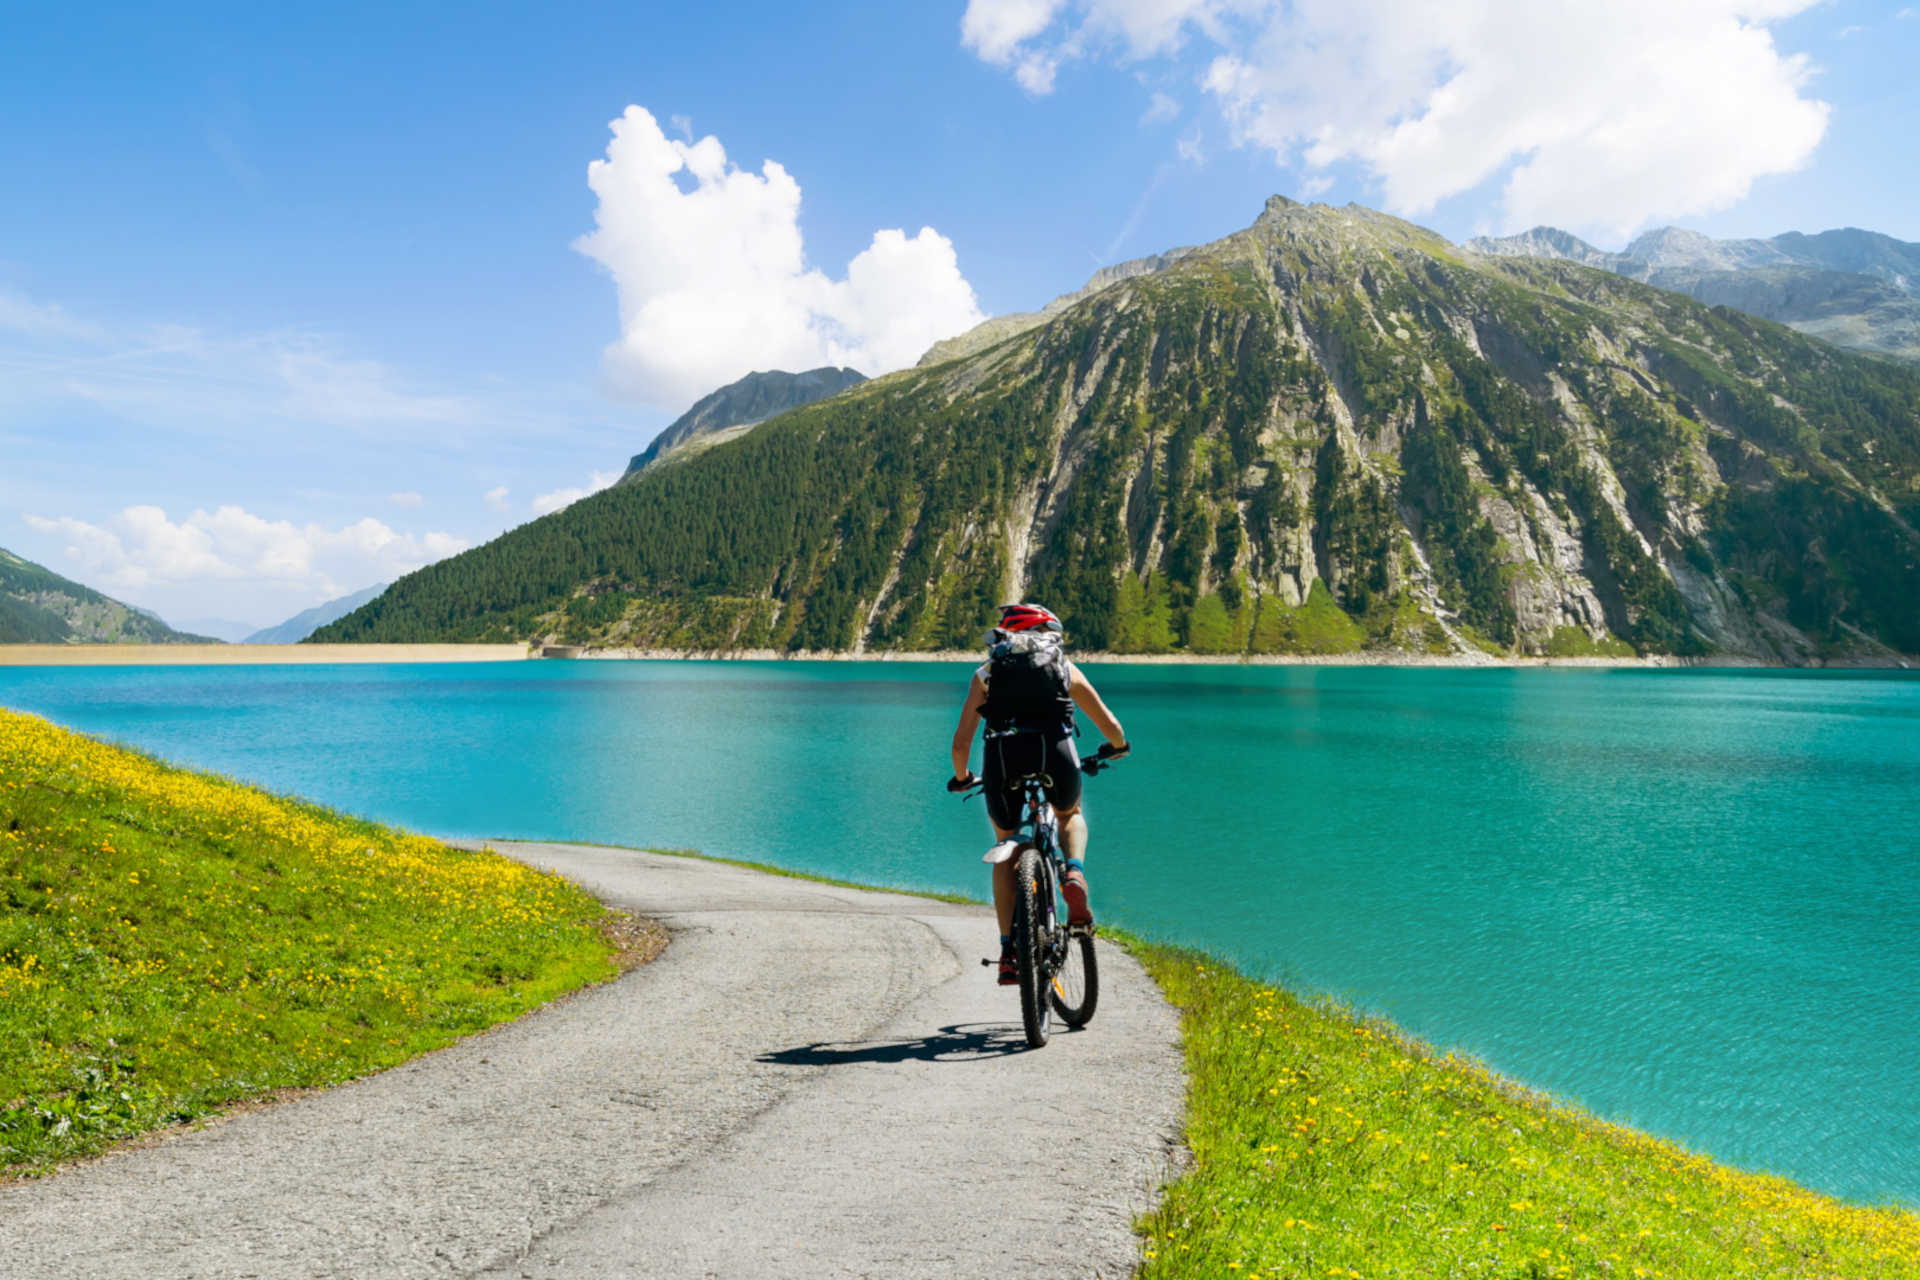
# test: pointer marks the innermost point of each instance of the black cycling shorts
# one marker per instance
(1009, 758)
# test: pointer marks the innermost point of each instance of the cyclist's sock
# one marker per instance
(1074, 864)
(1006, 944)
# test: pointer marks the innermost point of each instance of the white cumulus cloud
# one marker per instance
(549, 502)
(713, 279)
(496, 498)
(1593, 117)
(1000, 31)
(237, 552)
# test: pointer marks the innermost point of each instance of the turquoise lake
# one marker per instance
(1688, 900)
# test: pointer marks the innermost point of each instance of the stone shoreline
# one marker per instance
(131, 655)
(1364, 658)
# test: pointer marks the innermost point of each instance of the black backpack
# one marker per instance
(1028, 683)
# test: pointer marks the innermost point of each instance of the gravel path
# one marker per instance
(810, 1081)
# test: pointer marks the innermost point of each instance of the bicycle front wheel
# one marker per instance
(1032, 886)
(1075, 988)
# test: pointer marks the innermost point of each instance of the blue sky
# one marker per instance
(292, 300)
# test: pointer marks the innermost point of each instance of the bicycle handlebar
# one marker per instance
(1105, 758)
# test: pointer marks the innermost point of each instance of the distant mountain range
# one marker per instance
(1853, 288)
(307, 621)
(38, 606)
(1333, 430)
(738, 405)
(225, 630)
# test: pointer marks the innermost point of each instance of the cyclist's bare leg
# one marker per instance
(1073, 834)
(1003, 888)
(1073, 842)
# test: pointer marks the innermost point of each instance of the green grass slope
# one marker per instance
(171, 942)
(1328, 1145)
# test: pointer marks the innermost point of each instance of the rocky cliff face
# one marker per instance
(1853, 288)
(753, 399)
(1333, 430)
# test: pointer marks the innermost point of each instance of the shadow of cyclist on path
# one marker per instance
(965, 1042)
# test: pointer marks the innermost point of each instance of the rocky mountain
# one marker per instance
(1333, 430)
(307, 621)
(739, 405)
(1852, 288)
(38, 606)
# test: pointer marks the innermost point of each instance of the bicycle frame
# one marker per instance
(1046, 839)
(1037, 812)
(1040, 828)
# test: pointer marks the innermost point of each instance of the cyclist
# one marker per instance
(1026, 692)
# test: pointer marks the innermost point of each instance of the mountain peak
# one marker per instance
(1544, 242)
(1277, 205)
(1676, 248)
(746, 401)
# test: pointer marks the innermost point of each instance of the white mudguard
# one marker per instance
(1001, 852)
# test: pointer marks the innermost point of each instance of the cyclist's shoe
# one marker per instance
(1009, 972)
(1074, 889)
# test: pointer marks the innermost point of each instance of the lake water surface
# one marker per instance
(1688, 900)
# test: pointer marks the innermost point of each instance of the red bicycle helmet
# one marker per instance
(1027, 617)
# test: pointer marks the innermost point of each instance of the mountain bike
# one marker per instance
(1055, 960)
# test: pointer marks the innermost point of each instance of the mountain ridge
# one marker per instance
(745, 402)
(1856, 289)
(307, 621)
(1328, 431)
(998, 329)
(38, 606)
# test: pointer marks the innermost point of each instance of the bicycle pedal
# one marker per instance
(1082, 930)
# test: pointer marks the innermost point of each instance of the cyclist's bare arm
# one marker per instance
(969, 722)
(1087, 698)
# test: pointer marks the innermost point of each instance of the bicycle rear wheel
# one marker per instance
(1031, 882)
(1075, 988)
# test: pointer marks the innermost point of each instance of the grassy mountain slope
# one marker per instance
(1329, 431)
(38, 606)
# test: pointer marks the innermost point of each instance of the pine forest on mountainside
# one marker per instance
(1331, 431)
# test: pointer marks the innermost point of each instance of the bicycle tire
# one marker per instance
(1075, 989)
(1030, 945)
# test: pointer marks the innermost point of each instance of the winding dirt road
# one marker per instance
(810, 1081)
